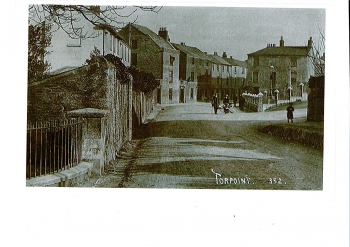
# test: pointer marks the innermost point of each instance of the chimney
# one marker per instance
(309, 43)
(274, 45)
(224, 55)
(231, 57)
(182, 43)
(215, 53)
(281, 42)
(205, 52)
(163, 33)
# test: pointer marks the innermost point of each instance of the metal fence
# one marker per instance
(53, 146)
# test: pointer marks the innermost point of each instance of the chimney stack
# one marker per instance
(224, 55)
(309, 43)
(164, 34)
(182, 43)
(215, 53)
(281, 42)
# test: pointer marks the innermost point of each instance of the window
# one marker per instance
(193, 60)
(76, 41)
(172, 59)
(256, 61)
(243, 71)
(255, 77)
(192, 76)
(217, 67)
(191, 93)
(134, 59)
(170, 76)
(115, 46)
(170, 94)
(134, 44)
(111, 42)
(293, 62)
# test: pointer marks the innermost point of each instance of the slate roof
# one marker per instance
(159, 41)
(282, 51)
(218, 60)
(235, 62)
(192, 51)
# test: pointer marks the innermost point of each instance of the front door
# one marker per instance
(158, 96)
(182, 95)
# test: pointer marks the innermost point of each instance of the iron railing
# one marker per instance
(53, 146)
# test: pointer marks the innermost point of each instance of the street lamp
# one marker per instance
(271, 79)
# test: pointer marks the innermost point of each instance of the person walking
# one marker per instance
(215, 102)
(290, 110)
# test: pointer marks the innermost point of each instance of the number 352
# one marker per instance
(276, 181)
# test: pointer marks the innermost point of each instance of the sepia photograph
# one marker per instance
(175, 97)
(187, 123)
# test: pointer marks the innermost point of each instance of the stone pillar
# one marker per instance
(260, 104)
(93, 136)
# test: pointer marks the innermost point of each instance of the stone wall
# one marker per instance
(94, 86)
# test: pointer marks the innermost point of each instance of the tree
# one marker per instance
(66, 17)
(317, 55)
(39, 38)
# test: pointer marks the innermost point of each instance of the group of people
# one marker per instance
(215, 102)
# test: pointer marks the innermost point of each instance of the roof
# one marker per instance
(192, 51)
(159, 41)
(235, 62)
(218, 60)
(282, 51)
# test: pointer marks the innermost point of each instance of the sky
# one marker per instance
(237, 31)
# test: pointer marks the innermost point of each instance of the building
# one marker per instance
(193, 73)
(67, 53)
(238, 74)
(283, 68)
(221, 73)
(153, 53)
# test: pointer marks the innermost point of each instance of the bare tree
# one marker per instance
(66, 17)
(317, 55)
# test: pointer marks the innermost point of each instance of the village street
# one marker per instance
(188, 146)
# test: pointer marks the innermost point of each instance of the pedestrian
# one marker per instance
(215, 102)
(290, 110)
(241, 102)
(234, 100)
(226, 102)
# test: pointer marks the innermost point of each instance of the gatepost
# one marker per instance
(93, 136)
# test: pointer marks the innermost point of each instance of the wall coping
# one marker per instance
(62, 176)
(88, 113)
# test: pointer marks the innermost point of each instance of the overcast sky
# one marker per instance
(238, 31)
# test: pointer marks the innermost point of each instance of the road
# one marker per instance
(188, 146)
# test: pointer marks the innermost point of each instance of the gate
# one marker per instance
(53, 146)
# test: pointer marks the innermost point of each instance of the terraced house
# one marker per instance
(155, 54)
(283, 68)
(194, 73)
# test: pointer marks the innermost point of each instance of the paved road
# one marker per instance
(187, 146)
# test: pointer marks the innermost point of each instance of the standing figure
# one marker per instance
(241, 102)
(234, 100)
(290, 110)
(215, 102)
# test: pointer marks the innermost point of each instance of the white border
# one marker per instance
(128, 217)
